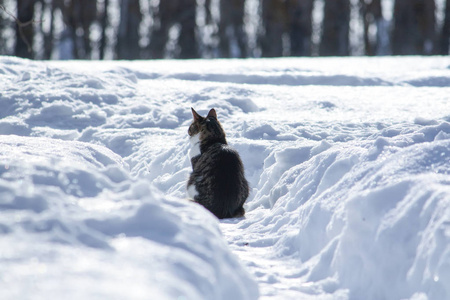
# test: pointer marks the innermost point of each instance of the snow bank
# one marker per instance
(74, 225)
(373, 215)
(348, 160)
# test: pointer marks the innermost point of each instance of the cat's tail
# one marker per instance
(239, 213)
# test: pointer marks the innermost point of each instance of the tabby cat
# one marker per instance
(217, 180)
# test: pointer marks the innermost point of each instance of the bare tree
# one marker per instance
(163, 21)
(104, 25)
(286, 28)
(274, 17)
(207, 5)
(336, 27)
(231, 29)
(128, 34)
(180, 13)
(300, 26)
(414, 27)
(78, 16)
(188, 39)
(445, 32)
(24, 28)
(372, 16)
(3, 39)
(48, 35)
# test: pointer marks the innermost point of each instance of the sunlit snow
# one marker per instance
(348, 161)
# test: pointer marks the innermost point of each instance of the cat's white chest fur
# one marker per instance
(195, 146)
(192, 192)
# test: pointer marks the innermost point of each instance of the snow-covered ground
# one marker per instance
(348, 161)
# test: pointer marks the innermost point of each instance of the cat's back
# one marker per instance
(228, 171)
(223, 167)
(223, 158)
(224, 172)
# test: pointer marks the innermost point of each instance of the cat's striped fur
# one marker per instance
(217, 180)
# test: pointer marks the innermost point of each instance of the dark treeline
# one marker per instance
(145, 29)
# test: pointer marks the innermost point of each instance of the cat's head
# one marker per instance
(208, 128)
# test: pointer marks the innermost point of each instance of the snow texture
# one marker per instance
(348, 160)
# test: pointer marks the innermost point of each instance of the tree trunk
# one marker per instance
(414, 27)
(300, 26)
(336, 27)
(445, 33)
(80, 16)
(186, 17)
(2, 27)
(88, 17)
(24, 29)
(274, 17)
(163, 22)
(104, 25)
(128, 35)
(48, 36)
(372, 16)
(170, 13)
(232, 35)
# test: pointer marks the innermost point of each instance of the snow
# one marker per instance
(348, 160)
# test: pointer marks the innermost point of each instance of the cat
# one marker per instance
(217, 180)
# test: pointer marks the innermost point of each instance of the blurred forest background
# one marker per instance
(146, 29)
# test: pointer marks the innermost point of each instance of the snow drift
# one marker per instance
(348, 160)
(62, 199)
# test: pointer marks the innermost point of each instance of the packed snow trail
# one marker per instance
(348, 160)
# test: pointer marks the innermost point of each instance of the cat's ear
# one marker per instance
(212, 113)
(196, 116)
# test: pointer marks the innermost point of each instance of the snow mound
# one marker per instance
(74, 225)
(373, 215)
